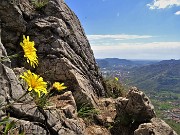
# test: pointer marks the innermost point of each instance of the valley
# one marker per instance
(160, 80)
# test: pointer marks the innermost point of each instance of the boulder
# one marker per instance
(132, 110)
(136, 105)
(155, 127)
(136, 116)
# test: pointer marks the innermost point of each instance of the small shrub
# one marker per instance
(86, 111)
(113, 88)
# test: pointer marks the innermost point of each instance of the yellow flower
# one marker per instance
(117, 79)
(59, 86)
(29, 51)
(35, 82)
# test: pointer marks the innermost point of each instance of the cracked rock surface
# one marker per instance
(136, 116)
(56, 120)
(64, 52)
(155, 127)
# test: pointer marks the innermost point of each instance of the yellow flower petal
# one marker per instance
(35, 82)
(117, 79)
(29, 51)
(59, 86)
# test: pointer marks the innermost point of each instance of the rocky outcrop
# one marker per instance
(64, 55)
(54, 120)
(63, 50)
(155, 127)
(60, 118)
(136, 116)
(136, 105)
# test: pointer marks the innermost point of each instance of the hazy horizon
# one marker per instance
(138, 59)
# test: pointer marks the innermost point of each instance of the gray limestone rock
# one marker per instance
(155, 127)
(56, 120)
(135, 105)
(136, 116)
(64, 52)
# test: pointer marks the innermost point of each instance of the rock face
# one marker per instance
(135, 105)
(63, 50)
(136, 109)
(61, 118)
(155, 127)
(64, 55)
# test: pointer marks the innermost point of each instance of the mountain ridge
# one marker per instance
(116, 61)
(164, 75)
(147, 75)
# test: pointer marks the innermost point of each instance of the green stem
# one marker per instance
(9, 57)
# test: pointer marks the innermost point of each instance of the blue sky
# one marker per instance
(131, 29)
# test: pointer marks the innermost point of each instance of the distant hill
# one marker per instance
(164, 75)
(115, 63)
(147, 75)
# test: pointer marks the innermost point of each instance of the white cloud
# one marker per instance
(117, 37)
(153, 50)
(161, 4)
(177, 13)
(133, 47)
(139, 46)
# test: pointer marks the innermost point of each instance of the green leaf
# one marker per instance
(8, 127)
(4, 120)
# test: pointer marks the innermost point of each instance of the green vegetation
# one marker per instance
(164, 102)
(165, 106)
(39, 3)
(162, 76)
(174, 125)
(8, 127)
(87, 113)
(113, 87)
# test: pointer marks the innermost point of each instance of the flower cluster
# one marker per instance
(35, 82)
